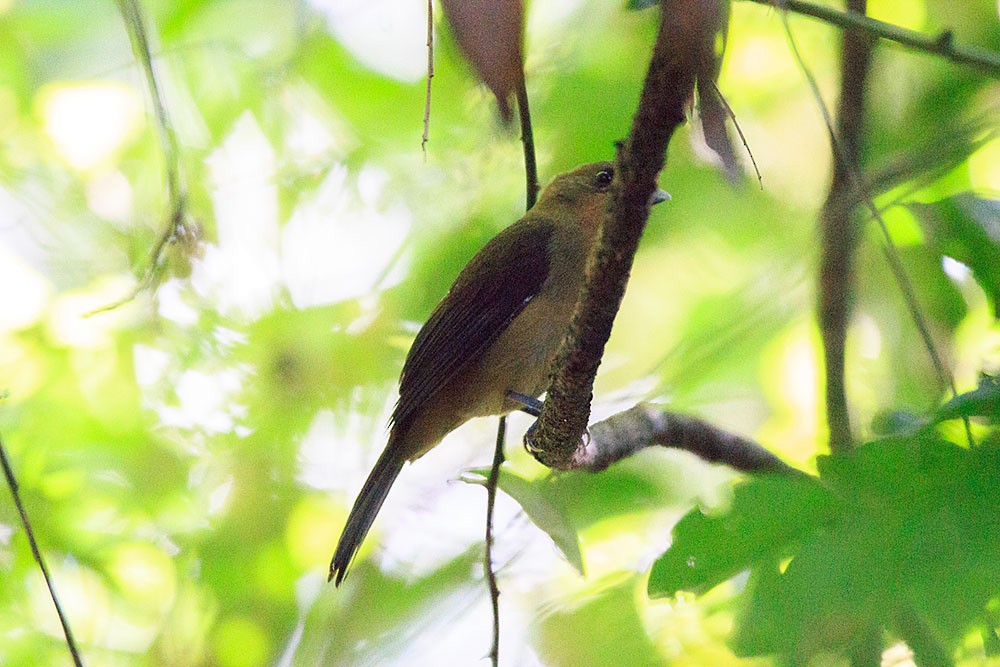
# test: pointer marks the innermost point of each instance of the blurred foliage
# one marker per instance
(189, 457)
(965, 228)
(900, 534)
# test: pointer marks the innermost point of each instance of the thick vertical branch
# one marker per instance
(838, 228)
(686, 36)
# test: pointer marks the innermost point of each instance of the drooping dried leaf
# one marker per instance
(490, 34)
(711, 108)
(713, 117)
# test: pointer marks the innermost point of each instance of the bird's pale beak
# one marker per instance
(659, 196)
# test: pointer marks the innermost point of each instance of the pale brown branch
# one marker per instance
(647, 425)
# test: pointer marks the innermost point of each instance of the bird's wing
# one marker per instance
(490, 292)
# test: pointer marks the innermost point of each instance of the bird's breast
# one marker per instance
(522, 356)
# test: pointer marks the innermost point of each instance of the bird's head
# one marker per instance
(585, 192)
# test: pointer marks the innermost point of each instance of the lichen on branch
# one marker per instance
(686, 38)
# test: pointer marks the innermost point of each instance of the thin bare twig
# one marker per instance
(889, 248)
(531, 193)
(491, 497)
(430, 75)
(8, 472)
(739, 131)
(528, 141)
(941, 45)
(176, 226)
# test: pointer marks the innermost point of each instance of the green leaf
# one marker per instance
(914, 549)
(900, 471)
(531, 496)
(967, 229)
(983, 401)
(648, 481)
(768, 514)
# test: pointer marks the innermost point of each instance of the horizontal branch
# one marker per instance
(646, 425)
(942, 45)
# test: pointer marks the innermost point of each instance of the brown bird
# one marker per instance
(493, 335)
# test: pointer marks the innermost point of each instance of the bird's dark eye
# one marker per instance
(603, 179)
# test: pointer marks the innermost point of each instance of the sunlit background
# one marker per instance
(189, 457)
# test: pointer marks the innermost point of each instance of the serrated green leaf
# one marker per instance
(767, 515)
(913, 549)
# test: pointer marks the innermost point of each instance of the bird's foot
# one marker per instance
(526, 403)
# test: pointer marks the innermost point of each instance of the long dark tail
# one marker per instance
(365, 508)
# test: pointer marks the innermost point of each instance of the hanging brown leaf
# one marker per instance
(490, 34)
(711, 107)
(713, 125)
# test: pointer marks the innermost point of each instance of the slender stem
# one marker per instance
(528, 139)
(889, 248)
(176, 194)
(942, 45)
(430, 75)
(739, 130)
(8, 472)
(135, 23)
(531, 178)
(491, 497)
